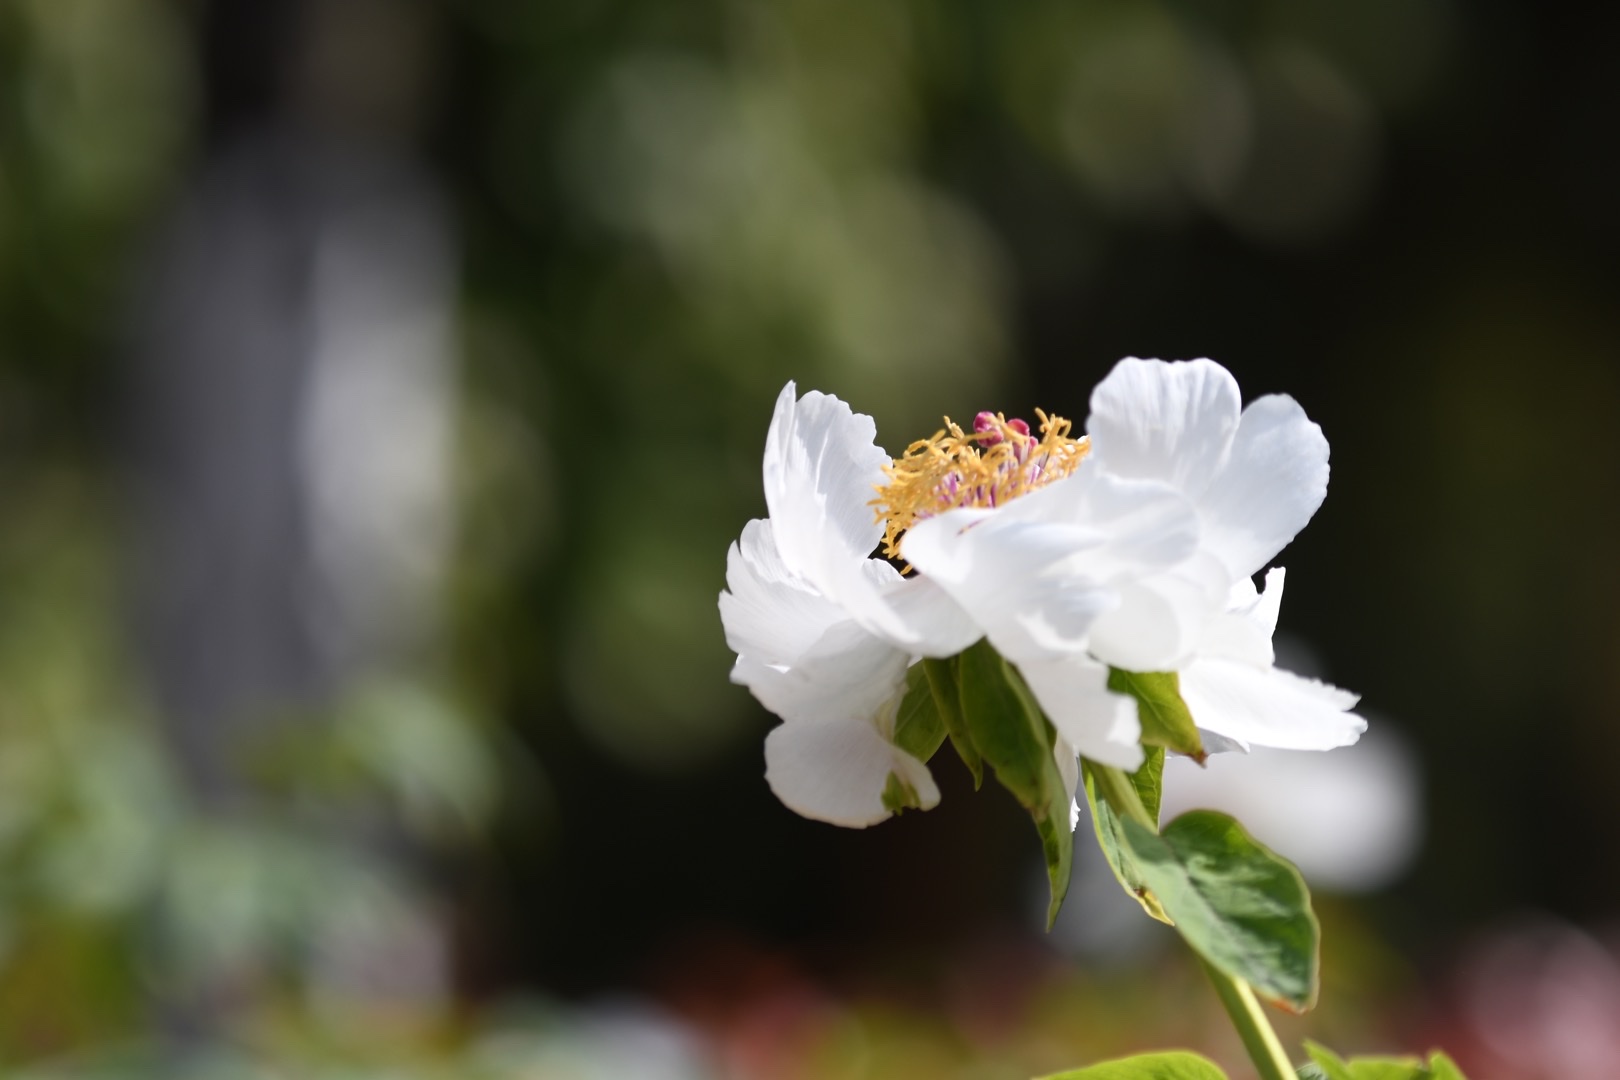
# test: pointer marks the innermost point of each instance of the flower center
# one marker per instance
(998, 461)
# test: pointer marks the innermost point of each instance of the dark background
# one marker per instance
(638, 220)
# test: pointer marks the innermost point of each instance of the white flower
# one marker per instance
(1040, 561)
(1134, 548)
(824, 633)
(1255, 476)
(1141, 559)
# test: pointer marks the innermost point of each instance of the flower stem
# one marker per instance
(1265, 1049)
(1237, 997)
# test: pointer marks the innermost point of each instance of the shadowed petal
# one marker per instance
(1156, 625)
(847, 673)
(768, 613)
(836, 771)
(940, 626)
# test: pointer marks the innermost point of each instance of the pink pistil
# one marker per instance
(986, 423)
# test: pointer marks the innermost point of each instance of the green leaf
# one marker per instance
(1166, 720)
(943, 679)
(1149, 781)
(1175, 1065)
(1113, 797)
(1242, 907)
(1443, 1068)
(1330, 1066)
(1009, 731)
(918, 728)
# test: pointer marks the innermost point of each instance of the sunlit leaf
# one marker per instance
(1442, 1067)
(1110, 803)
(1243, 908)
(1175, 1065)
(1326, 1065)
(1166, 721)
(1149, 781)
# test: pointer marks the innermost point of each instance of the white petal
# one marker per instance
(1038, 572)
(1150, 525)
(1268, 707)
(1015, 578)
(836, 771)
(1274, 481)
(939, 626)
(908, 613)
(1243, 631)
(1170, 422)
(768, 613)
(801, 654)
(1242, 596)
(1068, 764)
(1156, 625)
(1268, 604)
(1095, 721)
(847, 673)
(821, 466)
(1216, 743)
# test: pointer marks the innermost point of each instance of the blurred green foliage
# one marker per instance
(97, 108)
(667, 211)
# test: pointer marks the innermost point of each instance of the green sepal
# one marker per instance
(1326, 1065)
(945, 682)
(1166, 720)
(1238, 904)
(1174, 1065)
(899, 796)
(919, 731)
(1009, 731)
(1114, 796)
(918, 727)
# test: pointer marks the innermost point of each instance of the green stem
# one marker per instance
(1237, 997)
(1265, 1049)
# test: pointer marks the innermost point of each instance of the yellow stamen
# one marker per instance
(983, 469)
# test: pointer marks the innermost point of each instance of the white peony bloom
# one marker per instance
(1141, 558)
(1133, 548)
(1255, 476)
(1038, 546)
(823, 632)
